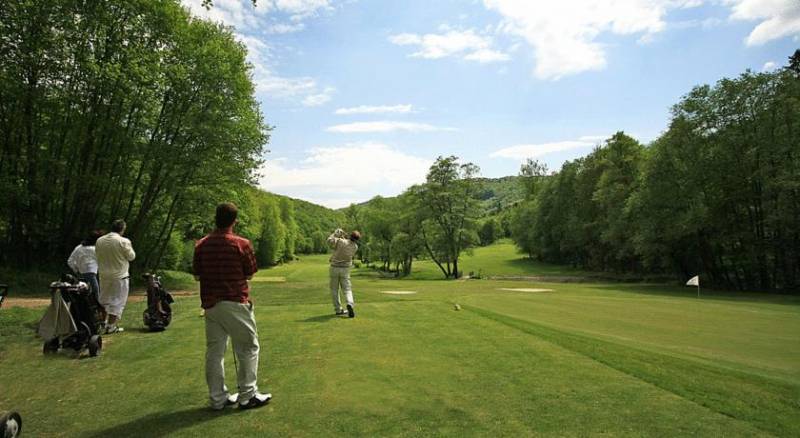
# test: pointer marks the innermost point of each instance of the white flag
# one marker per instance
(694, 281)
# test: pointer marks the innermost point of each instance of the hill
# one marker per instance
(498, 193)
(495, 194)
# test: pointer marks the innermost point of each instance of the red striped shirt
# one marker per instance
(224, 262)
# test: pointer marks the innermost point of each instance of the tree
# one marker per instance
(531, 175)
(291, 229)
(488, 231)
(270, 246)
(447, 210)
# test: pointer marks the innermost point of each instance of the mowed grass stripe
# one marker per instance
(772, 406)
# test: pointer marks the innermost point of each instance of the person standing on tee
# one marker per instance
(344, 248)
(223, 263)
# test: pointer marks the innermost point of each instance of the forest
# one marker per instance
(131, 109)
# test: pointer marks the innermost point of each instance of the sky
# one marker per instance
(364, 95)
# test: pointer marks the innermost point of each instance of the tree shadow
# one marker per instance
(666, 290)
(320, 318)
(162, 424)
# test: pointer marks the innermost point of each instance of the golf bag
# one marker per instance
(73, 320)
(10, 425)
(158, 314)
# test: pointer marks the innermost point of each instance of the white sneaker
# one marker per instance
(230, 401)
(114, 329)
(256, 401)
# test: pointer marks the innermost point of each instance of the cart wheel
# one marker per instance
(51, 346)
(95, 345)
(10, 424)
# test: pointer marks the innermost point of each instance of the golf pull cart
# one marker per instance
(3, 293)
(10, 425)
(74, 319)
(158, 314)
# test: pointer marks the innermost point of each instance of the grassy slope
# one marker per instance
(584, 359)
(500, 259)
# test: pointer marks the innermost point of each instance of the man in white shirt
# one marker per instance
(83, 261)
(344, 248)
(114, 254)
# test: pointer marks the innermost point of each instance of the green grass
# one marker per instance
(500, 259)
(585, 359)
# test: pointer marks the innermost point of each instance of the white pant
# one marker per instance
(114, 295)
(341, 277)
(237, 321)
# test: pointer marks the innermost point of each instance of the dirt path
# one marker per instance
(43, 302)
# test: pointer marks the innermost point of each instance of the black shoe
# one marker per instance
(340, 312)
(350, 312)
(256, 401)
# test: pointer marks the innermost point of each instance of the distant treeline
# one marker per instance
(717, 194)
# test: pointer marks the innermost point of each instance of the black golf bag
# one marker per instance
(158, 314)
(73, 320)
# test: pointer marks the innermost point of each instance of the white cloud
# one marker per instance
(466, 44)
(594, 138)
(380, 109)
(384, 126)
(245, 17)
(338, 176)
(281, 28)
(250, 23)
(320, 98)
(302, 8)
(564, 34)
(769, 66)
(523, 151)
(487, 55)
(778, 18)
(305, 90)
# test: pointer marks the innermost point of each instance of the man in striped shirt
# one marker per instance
(223, 263)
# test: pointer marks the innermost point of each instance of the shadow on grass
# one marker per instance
(705, 294)
(161, 424)
(320, 318)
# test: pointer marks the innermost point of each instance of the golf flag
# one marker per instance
(694, 281)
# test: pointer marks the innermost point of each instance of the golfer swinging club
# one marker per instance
(341, 260)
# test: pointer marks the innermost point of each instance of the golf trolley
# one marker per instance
(3, 293)
(10, 424)
(74, 319)
(158, 314)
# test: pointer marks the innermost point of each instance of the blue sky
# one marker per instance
(365, 94)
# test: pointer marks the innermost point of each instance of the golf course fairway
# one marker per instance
(618, 359)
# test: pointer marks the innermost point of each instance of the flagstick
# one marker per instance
(698, 290)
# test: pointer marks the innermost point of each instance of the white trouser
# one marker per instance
(237, 321)
(341, 277)
(114, 295)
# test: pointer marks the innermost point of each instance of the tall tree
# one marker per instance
(448, 210)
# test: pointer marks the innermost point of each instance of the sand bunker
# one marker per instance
(268, 279)
(523, 289)
(398, 292)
